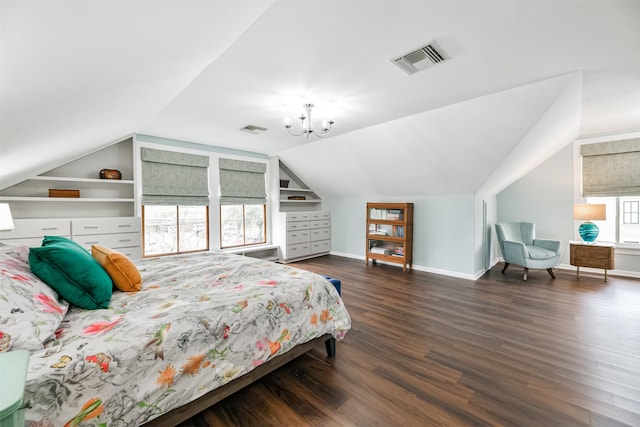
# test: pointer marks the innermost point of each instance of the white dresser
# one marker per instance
(307, 234)
(120, 233)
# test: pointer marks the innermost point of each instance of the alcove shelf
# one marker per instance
(111, 197)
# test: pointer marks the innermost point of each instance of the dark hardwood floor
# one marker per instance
(426, 349)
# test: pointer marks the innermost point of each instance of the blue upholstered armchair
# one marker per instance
(519, 245)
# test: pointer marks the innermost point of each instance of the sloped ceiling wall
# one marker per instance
(450, 150)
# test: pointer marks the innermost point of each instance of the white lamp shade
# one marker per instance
(590, 212)
(6, 221)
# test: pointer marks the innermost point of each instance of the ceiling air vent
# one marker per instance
(253, 129)
(420, 59)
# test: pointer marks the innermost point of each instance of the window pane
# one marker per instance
(231, 227)
(160, 230)
(608, 226)
(193, 228)
(254, 224)
(629, 224)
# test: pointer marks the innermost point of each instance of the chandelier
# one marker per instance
(307, 126)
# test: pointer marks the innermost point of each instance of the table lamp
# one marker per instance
(6, 221)
(588, 230)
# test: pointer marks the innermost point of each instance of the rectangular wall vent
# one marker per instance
(421, 59)
(253, 129)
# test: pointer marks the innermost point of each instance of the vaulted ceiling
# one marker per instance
(525, 78)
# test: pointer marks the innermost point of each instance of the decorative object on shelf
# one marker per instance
(296, 198)
(6, 220)
(307, 125)
(284, 183)
(110, 174)
(55, 192)
(585, 212)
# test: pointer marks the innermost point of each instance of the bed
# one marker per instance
(201, 327)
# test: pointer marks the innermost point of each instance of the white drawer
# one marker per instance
(27, 228)
(301, 249)
(299, 236)
(298, 216)
(105, 225)
(113, 241)
(320, 246)
(320, 234)
(133, 253)
(325, 223)
(320, 215)
(298, 225)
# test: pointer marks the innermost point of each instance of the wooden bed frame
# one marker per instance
(183, 413)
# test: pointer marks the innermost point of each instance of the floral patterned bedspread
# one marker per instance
(199, 322)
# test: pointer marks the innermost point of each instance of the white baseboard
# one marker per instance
(480, 273)
(416, 267)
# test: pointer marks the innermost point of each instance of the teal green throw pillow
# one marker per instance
(69, 269)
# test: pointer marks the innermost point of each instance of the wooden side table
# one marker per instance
(595, 255)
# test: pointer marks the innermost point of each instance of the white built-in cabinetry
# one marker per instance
(293, 194)
(98, 197)
(102, 215)
(122, 234)
(119, 233)
(307, 234)
(299, 227)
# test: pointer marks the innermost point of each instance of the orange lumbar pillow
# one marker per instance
(123, 272)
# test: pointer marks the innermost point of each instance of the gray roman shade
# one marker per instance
(242, 182)
(611, 168)
(171, 178)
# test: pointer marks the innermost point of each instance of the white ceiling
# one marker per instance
(75, 76)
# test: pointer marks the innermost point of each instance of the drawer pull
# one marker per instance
(124, 240)
(124, 225)
(91, 243)
(49, 228)
(90, 227)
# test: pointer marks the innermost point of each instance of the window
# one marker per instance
(623, 223)
(242, 203)
(630, 211)
(175, 202)
(242, 225)
(175, 229)
(610, 176)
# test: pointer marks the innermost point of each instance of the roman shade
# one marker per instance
(242, 182)
(171, 178)
(611, 168)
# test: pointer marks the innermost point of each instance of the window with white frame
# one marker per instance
(242, 203)
(175, 202)
(611, 176)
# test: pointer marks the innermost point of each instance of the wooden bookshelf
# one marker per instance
(390, 233)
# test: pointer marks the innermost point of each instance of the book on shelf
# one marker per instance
(381, 250)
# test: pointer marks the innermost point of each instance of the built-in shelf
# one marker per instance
(301, 201)
(86, 180)
(296, 187)
(98, 197)
(302, 190)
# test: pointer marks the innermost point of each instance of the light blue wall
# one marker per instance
(543, 196)
(442, 237)
(546, 196)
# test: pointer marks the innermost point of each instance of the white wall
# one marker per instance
(442, 236)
